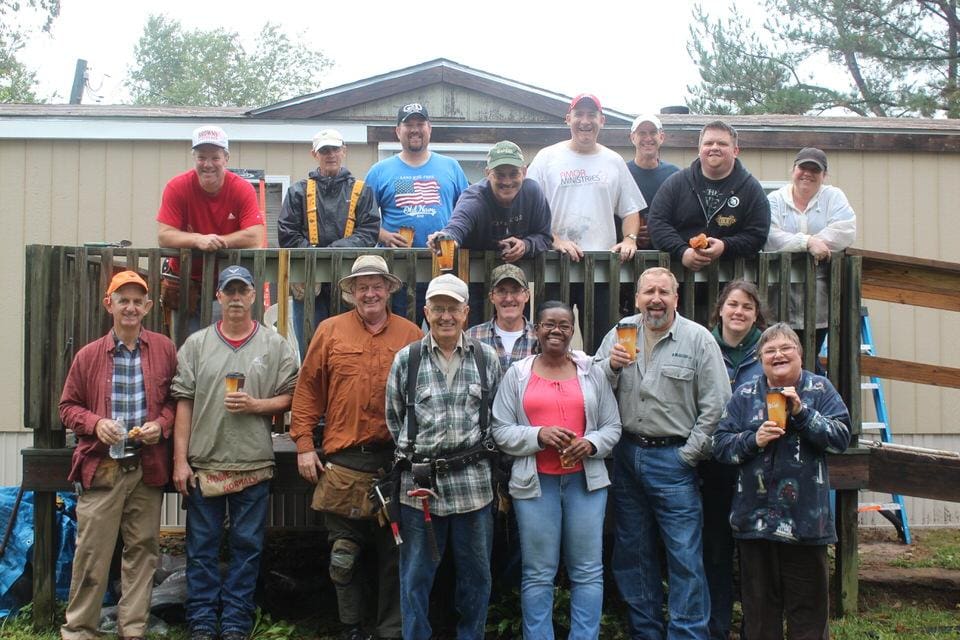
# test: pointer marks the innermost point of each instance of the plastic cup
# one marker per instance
(565, 462)
(407, 233)
(234, 382)
(627, 337)
(445, 259)
(777, 407)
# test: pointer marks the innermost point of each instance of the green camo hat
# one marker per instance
(504, 152)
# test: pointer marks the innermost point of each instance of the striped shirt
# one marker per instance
(525, 345)
(129, 398)
(448, 419)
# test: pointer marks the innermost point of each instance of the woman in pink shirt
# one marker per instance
(558, 416)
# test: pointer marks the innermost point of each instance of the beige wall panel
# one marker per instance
(13, 198)
(280, 158)
(948, 190)
(925, 205)
(360, 157)
(847, 173)
(93, 188)
(39, 167)
(119, 172)
(446, 102)
(64, 187)
(899, 190)
(147, 185)
(875, 209)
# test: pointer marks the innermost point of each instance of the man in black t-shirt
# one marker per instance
(715, 196)
(648, 171)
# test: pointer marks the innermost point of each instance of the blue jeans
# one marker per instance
(569, 517)
(321, 311)
(470, 536)
(232, 594)
(655, 494)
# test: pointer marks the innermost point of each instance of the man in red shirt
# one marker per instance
(124, 376)
(208, 208)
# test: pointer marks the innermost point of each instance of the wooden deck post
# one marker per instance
(846, 586)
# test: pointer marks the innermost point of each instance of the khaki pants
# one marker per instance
(131, 509)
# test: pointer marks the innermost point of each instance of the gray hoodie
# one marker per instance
(515, 435)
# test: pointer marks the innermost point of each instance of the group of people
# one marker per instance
(673, 423)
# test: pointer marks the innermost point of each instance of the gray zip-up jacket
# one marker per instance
(678, 390)
(515, 436)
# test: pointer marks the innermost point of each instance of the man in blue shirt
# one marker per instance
(415, 188)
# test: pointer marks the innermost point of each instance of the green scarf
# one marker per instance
(736, 354)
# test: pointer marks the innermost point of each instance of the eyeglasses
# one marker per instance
(508, 293)
(550, 325)
(784, 350)
(452, 309)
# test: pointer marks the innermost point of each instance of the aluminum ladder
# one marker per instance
(894, 511)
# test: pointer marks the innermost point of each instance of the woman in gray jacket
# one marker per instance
(557, 415)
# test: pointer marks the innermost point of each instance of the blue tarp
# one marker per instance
(19, 551)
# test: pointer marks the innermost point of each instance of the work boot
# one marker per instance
(355, 633)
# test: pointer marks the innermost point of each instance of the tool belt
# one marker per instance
(425, 469)
(345, 492)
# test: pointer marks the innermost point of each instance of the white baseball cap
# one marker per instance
(209, 134)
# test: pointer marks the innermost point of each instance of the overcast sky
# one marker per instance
(633, 58)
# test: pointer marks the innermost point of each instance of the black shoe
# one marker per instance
(202, 634)
(354, 633)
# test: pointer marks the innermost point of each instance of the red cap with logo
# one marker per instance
(585, 96)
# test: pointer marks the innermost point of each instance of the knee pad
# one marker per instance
(343, 560)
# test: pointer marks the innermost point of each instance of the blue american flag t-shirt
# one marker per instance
(416, 191)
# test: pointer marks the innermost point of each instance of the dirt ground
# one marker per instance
(883, 583)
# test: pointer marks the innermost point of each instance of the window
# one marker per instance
(275, 188)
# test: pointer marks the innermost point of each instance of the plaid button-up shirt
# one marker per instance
(128, 396)
(524, 346)
(448, 420)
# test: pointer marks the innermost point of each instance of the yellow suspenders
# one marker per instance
(312, 228)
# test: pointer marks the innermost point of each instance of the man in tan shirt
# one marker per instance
(343, 381)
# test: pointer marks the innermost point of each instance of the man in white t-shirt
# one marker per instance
(588, 186)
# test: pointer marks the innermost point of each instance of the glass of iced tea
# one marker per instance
(447, 247)
(407, 233)
(627, 337)
(777, 406)
(234, 382)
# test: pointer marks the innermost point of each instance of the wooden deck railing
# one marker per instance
(63, 311)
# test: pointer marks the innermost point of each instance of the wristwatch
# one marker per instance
(632, 236)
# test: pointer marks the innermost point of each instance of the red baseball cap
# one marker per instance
(585, 96)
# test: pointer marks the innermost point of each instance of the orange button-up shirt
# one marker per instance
(343, 379)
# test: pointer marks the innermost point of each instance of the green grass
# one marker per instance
(940, 550)
(899, 622)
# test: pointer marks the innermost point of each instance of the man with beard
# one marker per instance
(223, 454)
(715, 196)
(588, 187)
(342, 382)
(329, 208)
(671, 397)
(504, 212)
(416, 188)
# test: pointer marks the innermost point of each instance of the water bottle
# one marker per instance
(118, 450)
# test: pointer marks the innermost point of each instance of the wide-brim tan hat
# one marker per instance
(368, 266)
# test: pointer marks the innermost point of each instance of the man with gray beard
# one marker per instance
(671, 397)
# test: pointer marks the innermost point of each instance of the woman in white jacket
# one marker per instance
(808, 215)
(557, 415)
